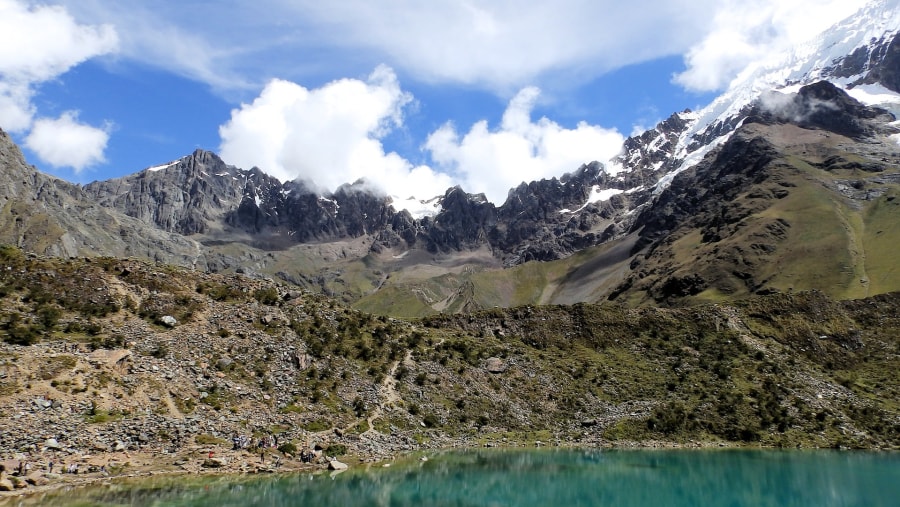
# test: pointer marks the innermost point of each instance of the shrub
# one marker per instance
(336, 450)
(206, 439)
(267, 296)
(287, 448)
(431, 421)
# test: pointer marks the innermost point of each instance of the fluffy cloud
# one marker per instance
(520, 150)
(331, 135)
(328, 136)
(65, 142)
(743, 33)
(48, 42)
(16, 110)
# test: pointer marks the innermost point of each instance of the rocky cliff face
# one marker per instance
(47, 215)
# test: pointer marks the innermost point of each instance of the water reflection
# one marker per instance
(548, 477)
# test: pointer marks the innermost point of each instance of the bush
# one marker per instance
(206, 439)
(268, 296)
(336, 450)
(431, 421)
(22, 334)
(287, 448)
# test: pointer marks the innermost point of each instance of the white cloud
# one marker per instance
(521, 150)
(64, 142)
(331, 135)
(500, 45)
(44, 41)
(328, 136)
(743, 33)
(40, 43)
(16, 110)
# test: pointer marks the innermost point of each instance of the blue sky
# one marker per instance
(413, 96)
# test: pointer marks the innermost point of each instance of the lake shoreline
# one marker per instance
(209, 461)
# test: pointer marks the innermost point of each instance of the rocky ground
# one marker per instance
(125, 368)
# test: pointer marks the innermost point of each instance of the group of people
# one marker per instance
(71, 468)
(243, 442)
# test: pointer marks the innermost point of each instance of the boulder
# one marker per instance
(51, 443)
(37, 479)
(214, 463)
(5, 483)
(9, 465)
(495, 365)
(109, 358)
(337, 465)
(223, 363)
(168, 321)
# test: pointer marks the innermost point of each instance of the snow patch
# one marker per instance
(876, 95)
(161, 167)
(418, 208)
(689, 161)
(597, 195)
(613, 167)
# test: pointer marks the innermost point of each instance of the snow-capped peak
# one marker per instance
(818, 59)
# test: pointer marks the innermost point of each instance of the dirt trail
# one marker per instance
(388, 394)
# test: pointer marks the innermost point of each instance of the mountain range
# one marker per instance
(786, 182)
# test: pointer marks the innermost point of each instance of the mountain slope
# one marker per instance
(772, 209)
(99, 368)
(47, 215)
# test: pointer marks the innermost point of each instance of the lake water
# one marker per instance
(547, 478)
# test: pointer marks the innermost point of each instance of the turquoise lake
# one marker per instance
(548, 477)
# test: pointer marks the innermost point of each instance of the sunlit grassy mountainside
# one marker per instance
(781, 206)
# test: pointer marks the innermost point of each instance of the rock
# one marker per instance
(224, 362)
(37, 479)
(5, 483)
(10, 465)
(168, 321)
(51, 443)
(303, 361)
(109, 358)
(214, 463)
(495, 365)
(337, 465)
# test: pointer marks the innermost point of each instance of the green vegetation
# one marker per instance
(206, 439)
(779, 370)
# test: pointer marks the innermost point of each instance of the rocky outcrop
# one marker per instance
(46, 215)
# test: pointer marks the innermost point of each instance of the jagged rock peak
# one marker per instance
(820, 105)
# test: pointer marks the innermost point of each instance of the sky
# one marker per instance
(412, 96)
